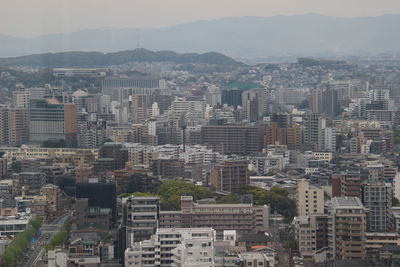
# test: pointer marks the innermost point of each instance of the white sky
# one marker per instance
(36, 17)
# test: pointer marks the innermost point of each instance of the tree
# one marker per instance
(21, 242)
(170, 192)
(229, 199)
(277, 198)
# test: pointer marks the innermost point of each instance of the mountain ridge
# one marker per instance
(249, 36)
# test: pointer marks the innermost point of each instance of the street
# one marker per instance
(33, 255)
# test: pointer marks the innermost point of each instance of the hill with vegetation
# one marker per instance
(97, 59)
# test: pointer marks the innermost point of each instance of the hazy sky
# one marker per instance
(37, 17)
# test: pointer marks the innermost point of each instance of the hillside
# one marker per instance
(97, 59)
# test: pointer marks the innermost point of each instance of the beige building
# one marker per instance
(309, 199)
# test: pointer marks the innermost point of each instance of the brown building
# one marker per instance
(14, 128)
(336, 184)
(347, 229)
(83, 172)
(167, 168)
(230, 175)
(291, 137)
(53, 198)
(350, 185)
(233, 139)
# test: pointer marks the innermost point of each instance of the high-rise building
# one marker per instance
(350, 185)
(311, 233)
(316, 104)
(120, 88)
(3, 168)
(232, 97)
(230, 175)
(346, 229)
(291, 136)
(330, 104)
(102, 195)
(115, 151)
(140, 217)
(14, 127)
(377, 197)
(51, 120)
(313, 123)
(233, 139)
(309, 199)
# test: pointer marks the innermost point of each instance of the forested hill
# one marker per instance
(97, 59)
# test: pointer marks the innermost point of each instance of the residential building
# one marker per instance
(346, 229)
(229, 176)
(309, 199)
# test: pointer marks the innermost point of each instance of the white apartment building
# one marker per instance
(174, 247)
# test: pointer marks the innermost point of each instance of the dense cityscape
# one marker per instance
(207, 162)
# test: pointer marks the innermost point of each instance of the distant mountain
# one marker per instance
(97, 59)
(300, 35)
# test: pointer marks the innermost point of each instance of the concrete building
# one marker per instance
(53, 197)
(32, 181)
(229, 176)
(233, 139)
(51, 120)
(3, 168)
(377, 197)
(313, 124)
(309, 199)
(85, 215)
(346, 229)
(311, 233)
(14, 127)
(14, 226)
(140, 216)
(350, 185)
(239, 217)
(173, 247)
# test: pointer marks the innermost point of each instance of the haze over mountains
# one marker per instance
(300, 35)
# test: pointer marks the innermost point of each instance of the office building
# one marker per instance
(51, 120)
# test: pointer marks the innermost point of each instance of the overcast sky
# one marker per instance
(36, 17)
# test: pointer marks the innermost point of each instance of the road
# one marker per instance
(47, 232)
